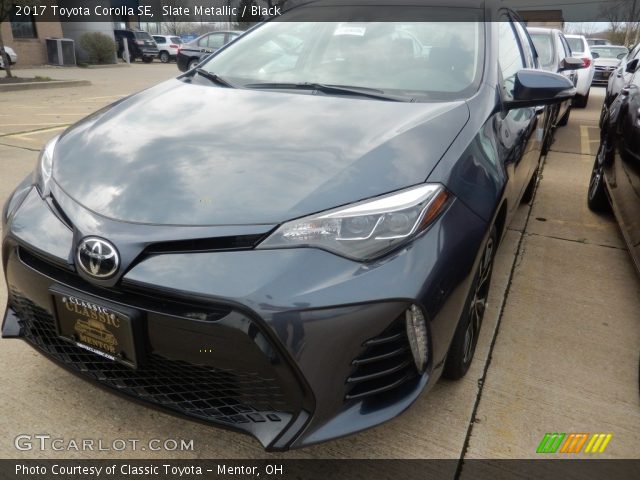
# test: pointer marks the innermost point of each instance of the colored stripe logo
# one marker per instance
(574, 442)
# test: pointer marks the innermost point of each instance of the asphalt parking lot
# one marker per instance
(558, 352)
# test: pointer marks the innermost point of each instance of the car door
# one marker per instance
(516, 128)
(215, 41)
(563, 51)
(624, 185)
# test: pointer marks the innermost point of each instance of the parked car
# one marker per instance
(598, 41)
(580, 49)
(554, 55)
(606, 59)
(620, 78)
(13, 58)
(140, 44)
(194, 52)
(615, 176)
(168, 46)
(328, 235)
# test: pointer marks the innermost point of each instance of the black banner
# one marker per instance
(252, 11)
(271, 469)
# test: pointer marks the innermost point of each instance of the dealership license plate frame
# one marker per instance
(127, 349)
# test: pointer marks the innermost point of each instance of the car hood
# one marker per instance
(186, 154)
(606, 62)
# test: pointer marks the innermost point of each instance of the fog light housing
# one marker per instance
(417, 335)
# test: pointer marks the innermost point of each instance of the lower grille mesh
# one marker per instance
(202, 392)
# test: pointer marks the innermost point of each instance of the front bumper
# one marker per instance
(304, 346)
(601, 75)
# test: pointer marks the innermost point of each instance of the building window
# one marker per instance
(22, 26)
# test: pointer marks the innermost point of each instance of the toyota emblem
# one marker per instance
(98, 258)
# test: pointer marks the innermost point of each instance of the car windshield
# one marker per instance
(544, 46)
(576, 44)
(416, 60)
(609, 52)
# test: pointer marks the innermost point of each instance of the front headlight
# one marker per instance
(367, 229)
(42, 173)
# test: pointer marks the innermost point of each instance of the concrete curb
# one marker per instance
(45, 85)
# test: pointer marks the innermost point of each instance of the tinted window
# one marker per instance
(544, 46)
(509, 54)
(142, 36)
(177, 40)
(437, 59)
(160, 39)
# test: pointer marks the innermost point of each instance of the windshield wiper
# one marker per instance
(331, 89)
(217, 79)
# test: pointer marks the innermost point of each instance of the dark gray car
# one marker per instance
(322, 222)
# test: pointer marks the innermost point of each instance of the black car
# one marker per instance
(554, 55)
(616, 177)
(620, 78)
(192, 53)
(304, 263)
(140, 44)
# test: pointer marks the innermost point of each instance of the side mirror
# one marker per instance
(532, 88)
(595, 55)
(571, 63)
(632, 66)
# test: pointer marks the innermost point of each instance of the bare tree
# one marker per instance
(6, 6)
(5, 9)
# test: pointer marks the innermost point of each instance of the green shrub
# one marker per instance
(98, 47)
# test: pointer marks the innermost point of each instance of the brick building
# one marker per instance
(26, 35)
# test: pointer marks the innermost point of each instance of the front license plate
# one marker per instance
(96, 325)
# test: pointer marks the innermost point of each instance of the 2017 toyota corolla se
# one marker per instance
(309, 248)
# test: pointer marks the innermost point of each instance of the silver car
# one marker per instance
(607, 58)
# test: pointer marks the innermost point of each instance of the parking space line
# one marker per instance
(585, 144)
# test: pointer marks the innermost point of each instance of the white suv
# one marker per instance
(169, 45)
(580, 49)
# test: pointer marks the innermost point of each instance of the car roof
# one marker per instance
(543, 30)
(571, 35)
(608, 46)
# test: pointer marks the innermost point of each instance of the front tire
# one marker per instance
(527, 196)
(192, 64)
(597, 196)
(165, 57)
(465, 339)
(581, 101)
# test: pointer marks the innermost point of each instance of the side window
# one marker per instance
(527, 47)
(204, 41)
(216, 40)
(509, 54)
(159, 39)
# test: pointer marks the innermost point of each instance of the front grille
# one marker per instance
(385, 365)
(216, 395)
